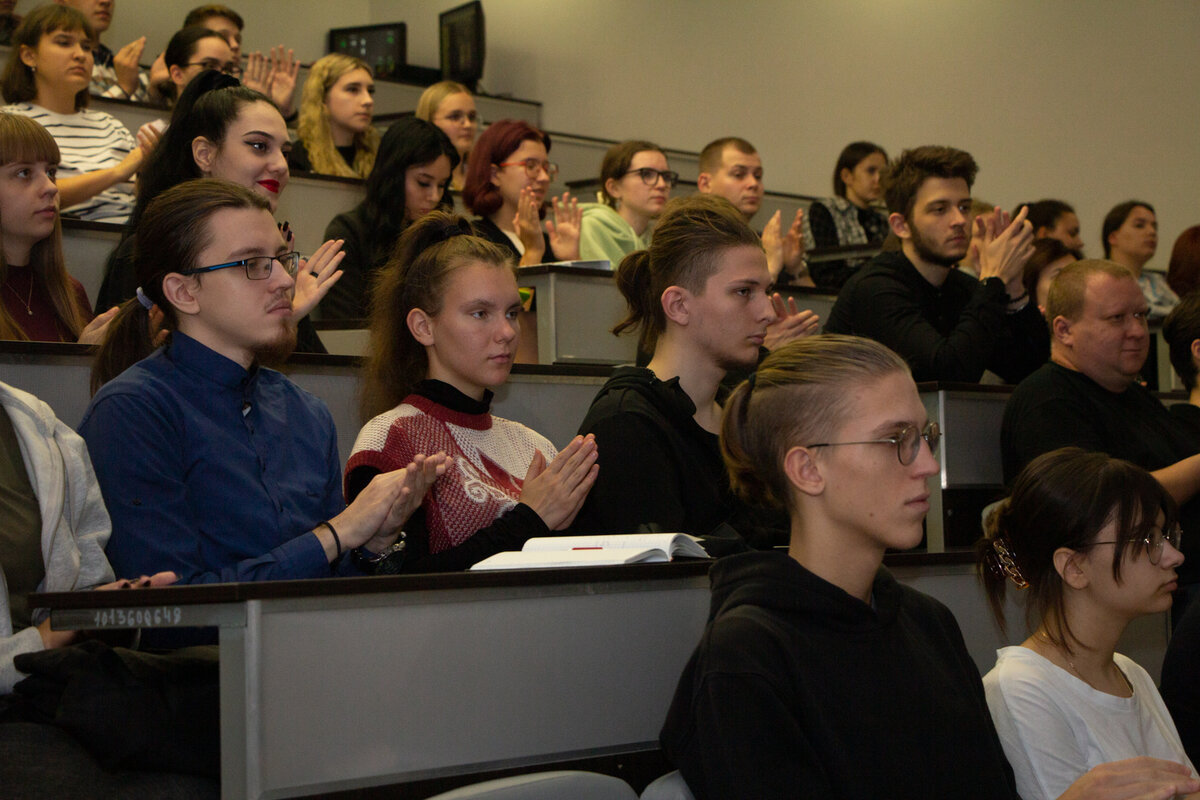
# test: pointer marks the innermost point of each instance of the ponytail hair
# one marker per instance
(170, 236)
(691, 235)
(415, 277)
(1064, 498)
(799, 394)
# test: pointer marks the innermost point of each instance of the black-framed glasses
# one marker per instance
(232, 68)
(1154, 542)
(907, 442)
(258, 268)
(650, 175)
(533, 166)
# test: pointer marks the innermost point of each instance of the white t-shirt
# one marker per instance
(88, 141)
(1055, 727)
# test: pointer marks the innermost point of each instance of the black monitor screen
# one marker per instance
(381, 46)
(462, 43)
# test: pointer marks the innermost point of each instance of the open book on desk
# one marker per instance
(591, 551)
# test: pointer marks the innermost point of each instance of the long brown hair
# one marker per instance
(23, 140)
(415, 277)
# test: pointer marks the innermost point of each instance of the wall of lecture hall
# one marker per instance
(1091, 101)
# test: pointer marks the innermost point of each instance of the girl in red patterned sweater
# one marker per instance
(444, 332)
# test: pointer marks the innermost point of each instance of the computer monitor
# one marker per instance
(384, 47)
(462, 43)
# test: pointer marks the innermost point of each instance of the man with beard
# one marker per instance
(948, 325)
(212, 465)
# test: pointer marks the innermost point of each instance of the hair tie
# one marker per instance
(146, 302)
(1002, 562)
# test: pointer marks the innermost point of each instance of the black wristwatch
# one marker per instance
(388, 562)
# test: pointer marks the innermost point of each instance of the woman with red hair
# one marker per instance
(1183, 273)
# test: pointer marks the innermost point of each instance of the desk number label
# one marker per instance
(138, 617)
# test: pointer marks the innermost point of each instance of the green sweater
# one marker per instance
(605, 234)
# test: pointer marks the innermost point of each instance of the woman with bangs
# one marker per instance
(47, 78)
(42, 302)
(1094, 542)
(336, 110)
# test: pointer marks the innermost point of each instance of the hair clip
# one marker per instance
(1002, 562)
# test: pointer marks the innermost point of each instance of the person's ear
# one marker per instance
(704, 182)
(180, 292)
(899, 226)
(204, 152)
(612, 188)
(28, 56)
(176, 73)
(676, 304)
(420, 325)
(847, 176)
(802, 471)
(1042, 232)
(1061, 327)
(494, 177)
(1195, 348)
(1068, 564)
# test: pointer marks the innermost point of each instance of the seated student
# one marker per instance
(114, 75)
(1183, 272)
(946, 324)
(336, 105)
(46, 79)
(273, 75)
(821, 675)
(699, 299)
(222, 19)
(443, 335)
(1048, 259)
(506, 186)
(635, 184)
(193, 50)
(849, 217)
(409, 180)
(212, 465)
(451, 107)
(731, 167)
(1054, 219)
(1130, 238)
(41, 301)
(1094, 540)
(223, 130)
(1181, 332)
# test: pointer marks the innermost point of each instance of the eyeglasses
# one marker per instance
(1154, 542)
(533, 166)
(232, 68)
(650, 175)
(907, 442)
(258, 268)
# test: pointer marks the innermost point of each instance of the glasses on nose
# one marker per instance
(650, 176)
(1154, 542)
(533, 166)
(258, 268)
(907, 442)
(231, 68)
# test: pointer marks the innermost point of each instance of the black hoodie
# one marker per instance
(798, 689)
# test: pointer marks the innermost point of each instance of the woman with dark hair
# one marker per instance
(635, 185)
(220, 129)
(849, 217)
(46, 79)
(1048, 259)
(1130, 238)
(444, 329)
(1183, 273)
(193, 50)
(336, 108)
(506, 184)
(410, 178)
(1093, 543)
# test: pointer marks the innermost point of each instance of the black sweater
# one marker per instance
(798, 689)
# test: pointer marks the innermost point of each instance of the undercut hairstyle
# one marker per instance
(1115, 218)
(714, 152)
(691, 236)
(1180, 329)
(431, 99)
(314, 128)
(180, 50)
(200, 13)
(617, 161)
(1065, 498)
(1066, 293)
(24, 141)
(1183, 273)
(1044, 213)
(416, 276)
(904, 177)
(16, 82)
(851, 156)
(800, 393)
(493, 148)
(1045, 252)
(170, 237)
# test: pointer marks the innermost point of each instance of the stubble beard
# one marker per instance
(927, 254)
(277, 351)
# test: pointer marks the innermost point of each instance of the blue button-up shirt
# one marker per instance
(214, 471)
